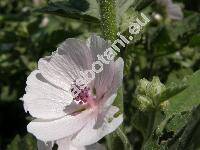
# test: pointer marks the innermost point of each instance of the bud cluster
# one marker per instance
(148, 93)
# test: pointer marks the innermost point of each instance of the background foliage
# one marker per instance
(154, 119)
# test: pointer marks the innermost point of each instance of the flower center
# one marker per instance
(82, 96)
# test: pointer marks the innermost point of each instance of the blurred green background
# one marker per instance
(168, 49)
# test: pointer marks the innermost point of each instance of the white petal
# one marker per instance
(109, 101)
(66, 144)
(43, 100)
(64, 66)
(73, 108)
(116, 82)
(89, 135)
(97, 45)
(102, 80)
(175, 12)
(50, 130)
(118, 75)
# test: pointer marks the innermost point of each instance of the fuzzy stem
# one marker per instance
(109, 30)
(123, 137)
(108, 19)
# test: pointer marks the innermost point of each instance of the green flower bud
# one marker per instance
(143, 103)
(142, 86)
(149, 94)
(155, 88)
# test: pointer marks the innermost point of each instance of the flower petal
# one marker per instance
(50, 130)
(175, 12)
(116, 82)
(118, 75)
(97, 45)
(103, 79)
(89, 135)
(64, 66)
(65, 144)
(44, 100)
(107, 102)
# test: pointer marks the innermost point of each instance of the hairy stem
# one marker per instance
(109, 30)
(127, 145)
(108, 19)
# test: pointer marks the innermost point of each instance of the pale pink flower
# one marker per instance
(173, 10)
(66, 144)
(48, 98)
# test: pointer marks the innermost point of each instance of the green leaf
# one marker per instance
(152, 144)
(142, 4)
(177, 75)
(180, 29)
(146, 122)
(15, 144)
(23, 143)
(129, 16)
(187, 99)
(195, 40)
(143, 121)
(190, 137)
(177, 122)
(84, 10)
(123, 6)
(172, 90)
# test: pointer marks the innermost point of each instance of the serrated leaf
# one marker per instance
(179, 29)
(147, 122)
(84, 10)
(143, 121)
(195, 40)
(23, 143)
(172, 90)
(178, 75)
(190, 137)
(152, 144)
(129, 16)
(123, 6)
(177, 123)
(187, 99)
(141, 4)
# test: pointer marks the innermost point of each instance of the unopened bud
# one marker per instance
(142, 86)
(143, 103)
(155, 88)
(149, 93)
